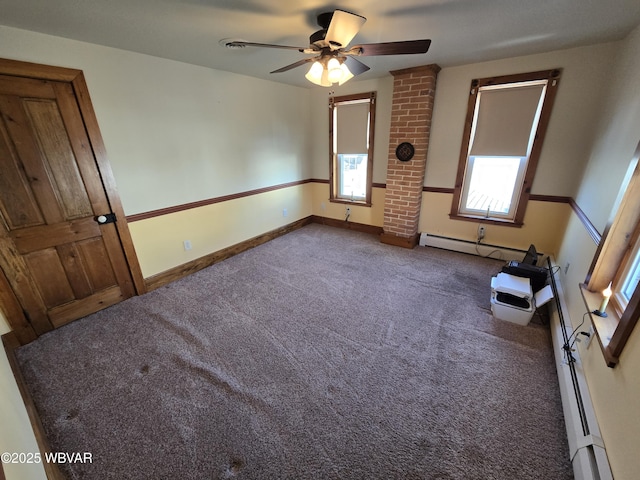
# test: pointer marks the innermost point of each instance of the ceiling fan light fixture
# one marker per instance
(346, 74)
(318, 74)
(330, 45)
(335, 72)
(326, 73)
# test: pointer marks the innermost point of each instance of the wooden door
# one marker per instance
(60, 257)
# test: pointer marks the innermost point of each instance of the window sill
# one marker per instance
(489, 220)
(604, 327)
(361, 203)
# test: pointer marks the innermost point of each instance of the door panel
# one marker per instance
(50, 277)
(71, 311)
(44, 236)
(17, 273)
(59, 159)
(29, 156)
(97, 263)
(60, 262)
(74, 269)
(19, 207)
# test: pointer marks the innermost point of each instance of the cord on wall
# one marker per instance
(481, 232)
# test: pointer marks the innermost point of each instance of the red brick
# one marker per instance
(412, 109)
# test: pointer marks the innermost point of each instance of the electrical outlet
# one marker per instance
(481, 232)
(187, 245)
(323, 206)
(348, 211)
(284, 212)
(592, 333)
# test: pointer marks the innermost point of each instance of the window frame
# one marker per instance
(611, 260)
(457, 211)
(618, 300)
(334, 175)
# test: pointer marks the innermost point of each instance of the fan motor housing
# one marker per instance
(324, 20)
(318, 38)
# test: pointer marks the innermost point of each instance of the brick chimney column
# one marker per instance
(413, 94)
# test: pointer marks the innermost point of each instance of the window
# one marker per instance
(631, 281)
(491, 185)
(617, 261)
(506, 121)
(627, 279)
(351, 151)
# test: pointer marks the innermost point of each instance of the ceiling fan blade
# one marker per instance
(343, 27)
(355, 66)
(390, 48)
(294, 65)
(237, 44)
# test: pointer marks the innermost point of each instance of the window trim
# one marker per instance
(612, 255)
(333, 156)
(525, 189)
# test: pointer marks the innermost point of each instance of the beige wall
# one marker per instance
(16, 434)
(544, 225)
(319, 134)
(615, 392)
(174, 134)
(321, 206)
(159, 240)
(573, 123)
(585, 72)
(177, 133)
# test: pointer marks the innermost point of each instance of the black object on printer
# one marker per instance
(528, 269)
(514, 300)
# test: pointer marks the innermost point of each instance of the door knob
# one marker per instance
(107, 218)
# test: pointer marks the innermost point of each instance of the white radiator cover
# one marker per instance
(587, 451)
(466, 246)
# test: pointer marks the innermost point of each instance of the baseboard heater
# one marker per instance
(467, 246)
(586, 448)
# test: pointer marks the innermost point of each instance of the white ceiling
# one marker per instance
(462, 31)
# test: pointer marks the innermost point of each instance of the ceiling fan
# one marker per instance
(333, 62)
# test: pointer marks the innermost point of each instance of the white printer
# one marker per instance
(512, 298)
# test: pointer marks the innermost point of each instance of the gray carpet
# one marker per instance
(322, 354)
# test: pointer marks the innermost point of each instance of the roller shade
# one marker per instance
(352, 127)
(504, 120)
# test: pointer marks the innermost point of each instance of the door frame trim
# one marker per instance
(76, 78)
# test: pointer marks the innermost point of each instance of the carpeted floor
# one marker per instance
(322, 354)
